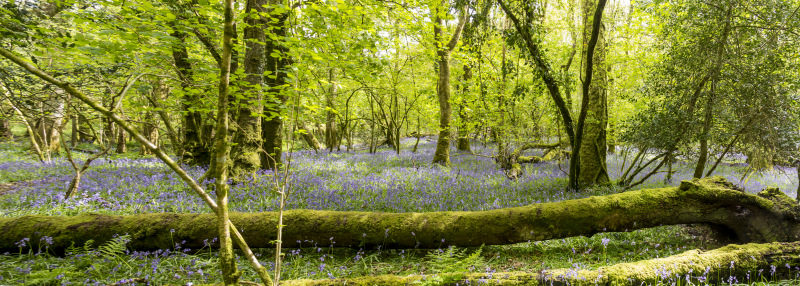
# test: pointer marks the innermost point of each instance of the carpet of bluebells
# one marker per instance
(385, 181)
(341, 181)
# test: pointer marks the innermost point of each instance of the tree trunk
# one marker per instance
(593, 103)
(73, 140)
(227, 259)
(592, 154)
(330, 113)
(390, 134)
(463, 130)
(195, 150)
(84, 131)
(149, 130)
(49, 125)
(511, 162)
(709, 115)
(797, 170)
(308, 136)
(5, 128)
(766, 217)
(109, 131)
(612, 140)
(278, 61)
(122, 141)
(442, 154)
(245, 152)
(749, 262)
(159, 92)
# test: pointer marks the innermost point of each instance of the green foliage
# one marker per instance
(720, 61)
(114, 248)
(454, 260)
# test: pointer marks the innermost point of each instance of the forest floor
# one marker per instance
(383, 182)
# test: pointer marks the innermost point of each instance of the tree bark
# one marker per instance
(149, 130)
(472, 44)
(5, 128)
(330, 113)
(194, 149)
(85, 132)
(159, 91)
(247, 138)
(575, 162)
(709, 115)
(50, 124)
(593, 148)
(510, 162)
(462, 144)
(308, 136)
(278, 61)
(767, 217)
(443, 50)
(73, 140)
(227, 259)
(703, 268)
(122, 141)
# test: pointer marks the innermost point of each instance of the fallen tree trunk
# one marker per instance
(767, 217)
(747, 263)
(511, 162)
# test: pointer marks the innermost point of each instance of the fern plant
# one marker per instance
(455, 260)
(452, 263)
(87, 247)
(115, 248)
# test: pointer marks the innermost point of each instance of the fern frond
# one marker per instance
(115, 247)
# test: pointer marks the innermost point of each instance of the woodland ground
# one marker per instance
(385, 182)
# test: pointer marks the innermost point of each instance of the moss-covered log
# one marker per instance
(749, 261)
(767, 217)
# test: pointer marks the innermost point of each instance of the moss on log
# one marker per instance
(769, 216)
(713, 267)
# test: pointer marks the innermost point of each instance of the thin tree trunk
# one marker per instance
(442, 153)
(330, 112)
(75, 132)
(709, 115)
(171, 133)
(34, 144)
(227, 260)
(728, 148)
(149, 130)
